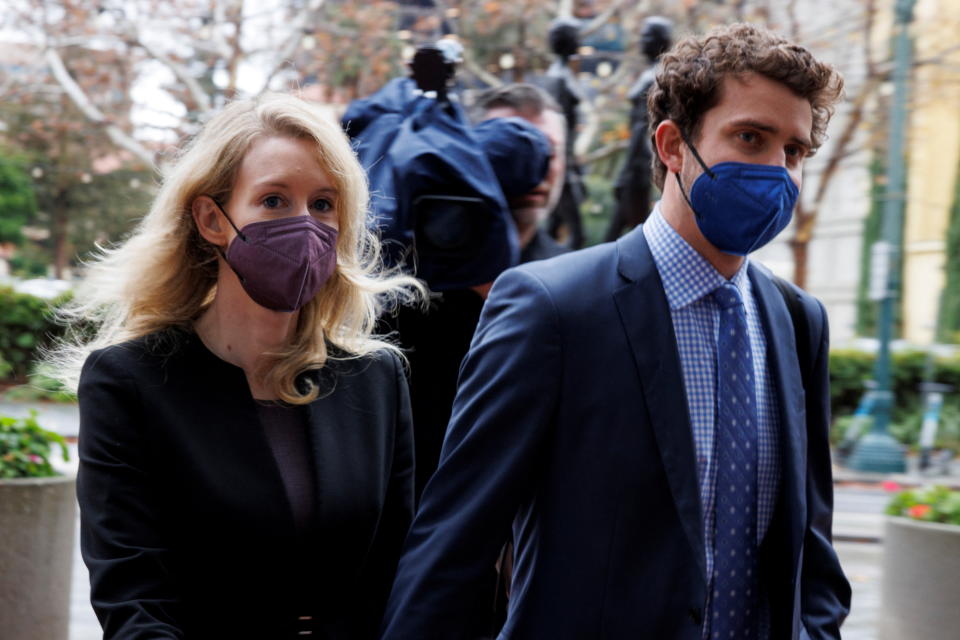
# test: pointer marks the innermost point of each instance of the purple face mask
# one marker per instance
(282, 263)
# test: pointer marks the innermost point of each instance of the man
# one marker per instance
(529, 210)
(638, 410)
(438, 338)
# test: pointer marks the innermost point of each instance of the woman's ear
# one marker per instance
(669, 143)
(207, 217)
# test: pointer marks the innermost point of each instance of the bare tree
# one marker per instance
(851, 137)
(183, 58)
(193, 55)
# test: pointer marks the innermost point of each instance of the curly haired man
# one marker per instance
(651, 415)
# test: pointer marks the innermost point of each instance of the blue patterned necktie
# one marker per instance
(734, 604)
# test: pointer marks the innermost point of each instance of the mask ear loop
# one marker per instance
(240, 234)
(703, 164)
(223, 211)
(693, 150)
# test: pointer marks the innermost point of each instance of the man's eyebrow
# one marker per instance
(769, 128)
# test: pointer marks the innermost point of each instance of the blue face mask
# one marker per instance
(740, 207)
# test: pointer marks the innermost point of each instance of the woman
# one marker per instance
(246, 465)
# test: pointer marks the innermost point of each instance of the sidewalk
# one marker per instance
(913, 477)
(863, 566)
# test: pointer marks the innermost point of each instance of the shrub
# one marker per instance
(850, 369)
(40, 387)
(26, 325)
(26, 448)
(934, 504)
(30, 261)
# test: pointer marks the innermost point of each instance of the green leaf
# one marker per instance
(26, 447)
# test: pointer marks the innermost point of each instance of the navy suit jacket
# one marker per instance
(571, 422)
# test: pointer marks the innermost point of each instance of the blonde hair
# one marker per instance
(165, 274)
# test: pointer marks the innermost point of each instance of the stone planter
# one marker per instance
(921, 580)
(37, 519)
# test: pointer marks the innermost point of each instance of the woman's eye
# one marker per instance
(322, 204)
(272, 202)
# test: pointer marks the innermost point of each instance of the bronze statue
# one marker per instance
(562, 84)
(632, 188)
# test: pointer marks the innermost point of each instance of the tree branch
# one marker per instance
(12, 78)
(603, 152)
(485, 76)
(604, 17)
(794, 23)
(939, 58)
(236, 49)
(293, 42)
(216, 37)
(869, 16)
(199, 96)
(92, 113)
(590, 127)
(839, 151)
(807, 218)
(625, 70)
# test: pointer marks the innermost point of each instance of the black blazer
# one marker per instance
(185, 525)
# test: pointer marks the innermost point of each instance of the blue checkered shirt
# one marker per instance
(688, 279)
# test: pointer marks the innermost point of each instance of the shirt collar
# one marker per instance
(686, 275)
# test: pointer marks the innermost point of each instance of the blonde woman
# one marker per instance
(246, 466)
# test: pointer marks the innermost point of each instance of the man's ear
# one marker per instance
(669, 145)
(209, 221)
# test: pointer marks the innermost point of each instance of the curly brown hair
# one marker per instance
(691, 73)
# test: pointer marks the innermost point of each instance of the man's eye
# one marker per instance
(795, 151)
(749, 137)
(272, 202)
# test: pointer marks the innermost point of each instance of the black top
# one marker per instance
(185, 523)
(286, 428)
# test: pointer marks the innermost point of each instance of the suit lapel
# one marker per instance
(789, 393)
(645, 314)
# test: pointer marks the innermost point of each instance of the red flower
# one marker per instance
(919, 511)
(890, 486)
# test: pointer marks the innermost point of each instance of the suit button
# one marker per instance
(696, 616)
